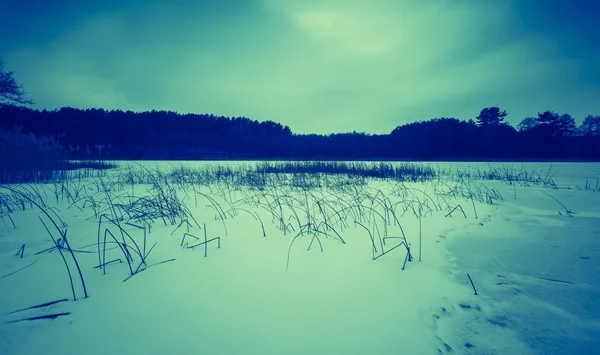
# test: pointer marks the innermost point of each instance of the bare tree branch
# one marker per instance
(10, 91)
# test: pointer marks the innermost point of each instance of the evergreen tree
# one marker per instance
(491, 116)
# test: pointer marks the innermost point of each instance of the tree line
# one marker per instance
(116, 134)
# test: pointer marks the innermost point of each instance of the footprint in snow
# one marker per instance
(466, 306)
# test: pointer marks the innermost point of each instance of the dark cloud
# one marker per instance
(318, 66)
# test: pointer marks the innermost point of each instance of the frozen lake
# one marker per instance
(305, 270)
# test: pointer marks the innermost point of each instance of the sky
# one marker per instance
(317, 66)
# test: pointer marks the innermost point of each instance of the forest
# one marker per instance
(154, 135)
(28, 134)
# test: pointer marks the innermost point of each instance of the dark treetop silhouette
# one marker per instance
(10, 91)
(115, 134)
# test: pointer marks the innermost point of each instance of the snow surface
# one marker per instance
(535, 268)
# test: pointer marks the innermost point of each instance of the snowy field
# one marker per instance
(482, 259)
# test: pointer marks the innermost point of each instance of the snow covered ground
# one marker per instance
(533, 257)
(538, 269)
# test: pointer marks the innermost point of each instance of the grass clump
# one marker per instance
(303, 174)
(382, 170)
(511, 176)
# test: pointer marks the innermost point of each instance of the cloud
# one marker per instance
(317, 66)
(419, 57)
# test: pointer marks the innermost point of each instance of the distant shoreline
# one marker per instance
(465, 160)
